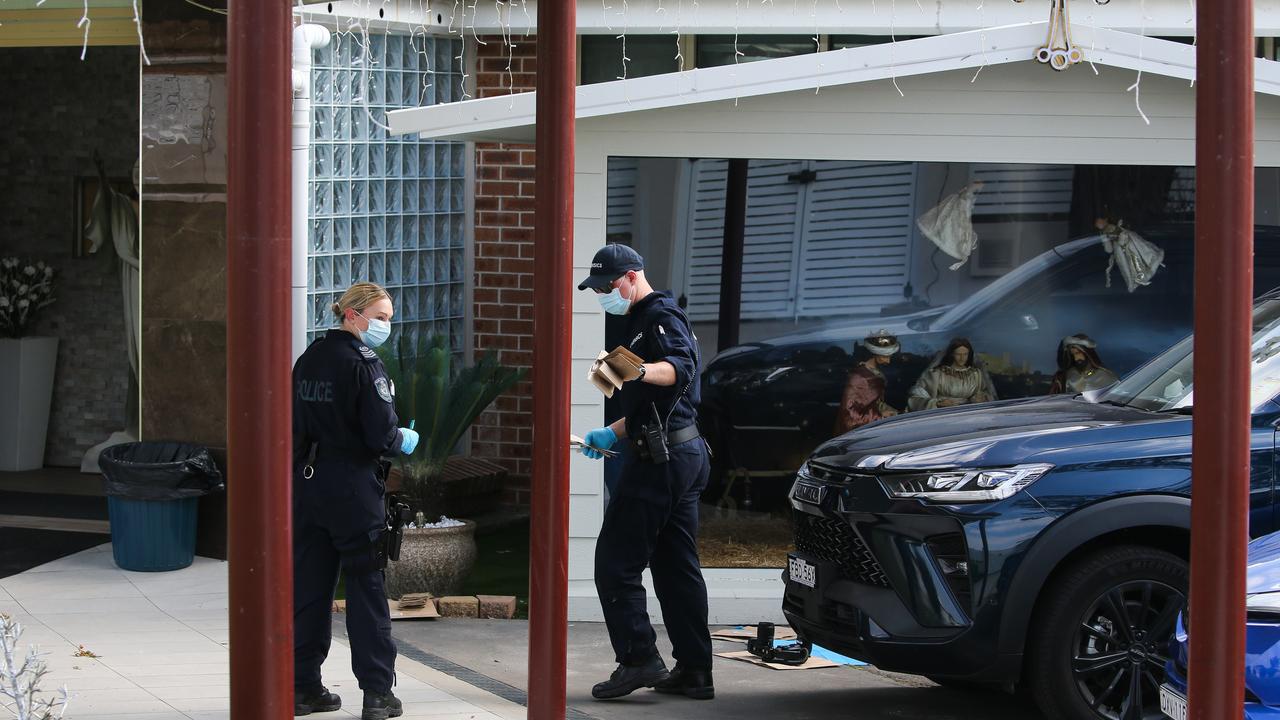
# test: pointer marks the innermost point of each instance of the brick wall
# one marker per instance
(58, 111)
(504, 267)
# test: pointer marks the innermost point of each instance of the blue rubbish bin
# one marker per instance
(153, 490)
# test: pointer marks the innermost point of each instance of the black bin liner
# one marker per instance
(159, 471)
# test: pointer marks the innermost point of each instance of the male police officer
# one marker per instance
(652, 519)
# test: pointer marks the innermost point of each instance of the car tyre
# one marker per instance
(1100, 635)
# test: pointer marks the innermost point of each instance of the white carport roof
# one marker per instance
(510, 118)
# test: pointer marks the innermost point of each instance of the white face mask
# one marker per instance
(614, 303)
(377, 332)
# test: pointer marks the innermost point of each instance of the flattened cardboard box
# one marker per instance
(612, 369)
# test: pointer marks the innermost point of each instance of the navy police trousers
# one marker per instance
(652, 520)
(337, 514)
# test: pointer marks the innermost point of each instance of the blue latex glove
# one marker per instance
(600, 438)
(408, 440)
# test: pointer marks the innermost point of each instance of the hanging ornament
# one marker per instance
(950, 224)
(1138, 258)
(1058, 52)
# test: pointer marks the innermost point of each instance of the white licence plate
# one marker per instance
(1172, 703)
(802, 572)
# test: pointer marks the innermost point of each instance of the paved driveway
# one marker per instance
(497, 650)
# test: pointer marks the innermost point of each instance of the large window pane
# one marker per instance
(648, 55)
(715, 50)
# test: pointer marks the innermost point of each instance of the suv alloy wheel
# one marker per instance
(1098, 643)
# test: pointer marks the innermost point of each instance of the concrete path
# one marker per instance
(161, 642)
(497, 649)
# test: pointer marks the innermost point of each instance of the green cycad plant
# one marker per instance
(442, 404)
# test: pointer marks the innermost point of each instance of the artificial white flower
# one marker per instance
(29, 270)
(23, 303)
(22, 289)
(4, 302)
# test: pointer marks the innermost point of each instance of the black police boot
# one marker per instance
(317, 700)
(629, 678)
(696, 684)
(380, 706)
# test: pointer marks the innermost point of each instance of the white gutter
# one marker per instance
(305, 39)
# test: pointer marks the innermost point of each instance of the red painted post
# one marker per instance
(1224, 299)
(552, 291)
(259, 93)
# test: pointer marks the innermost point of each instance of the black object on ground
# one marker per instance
(22, 548)
(159, 471)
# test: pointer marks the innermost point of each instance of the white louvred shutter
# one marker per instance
(857, 237)
(772, 225)
(621, 196)
(1022, 189)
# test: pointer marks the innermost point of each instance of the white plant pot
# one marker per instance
(26, 383)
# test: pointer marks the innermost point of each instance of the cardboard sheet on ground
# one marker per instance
(813, 663)
(742, 634)
(427, 612)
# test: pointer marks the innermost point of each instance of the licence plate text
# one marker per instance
(802, 572)
(1172, 703)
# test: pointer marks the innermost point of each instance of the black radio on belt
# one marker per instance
(652, 442)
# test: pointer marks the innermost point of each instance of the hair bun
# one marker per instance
(336, 310)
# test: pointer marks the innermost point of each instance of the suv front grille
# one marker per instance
(835, 542)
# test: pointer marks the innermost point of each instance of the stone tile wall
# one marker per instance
(57, 111)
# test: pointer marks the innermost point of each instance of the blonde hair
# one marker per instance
(358, 297)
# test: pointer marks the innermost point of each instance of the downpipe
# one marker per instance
(306, 39)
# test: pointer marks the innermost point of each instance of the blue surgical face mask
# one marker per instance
(613, 303)
(377, 332)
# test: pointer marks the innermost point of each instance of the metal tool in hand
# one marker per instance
(577, 443)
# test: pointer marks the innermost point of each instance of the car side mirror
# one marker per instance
(1029, 322)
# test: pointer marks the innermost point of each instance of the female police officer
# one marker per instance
(344, 421)
(652, 520)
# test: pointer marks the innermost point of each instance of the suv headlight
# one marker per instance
(964, 486)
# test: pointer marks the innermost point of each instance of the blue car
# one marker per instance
(1262, 642)
(1040, 542)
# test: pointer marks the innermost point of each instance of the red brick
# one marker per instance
(485, 295)
(491, 203)
(503, 249)
(498, 189)
(514, 265)
(498, 312)
(486, 326)
(499, 157)
(514, 204)
(498, 219)
(516, 327)
(488, 172)
(498, 280)
(517, 172)
(511, 297)
(512, 235)
(487, 235)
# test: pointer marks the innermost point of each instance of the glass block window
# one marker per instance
(388, 209)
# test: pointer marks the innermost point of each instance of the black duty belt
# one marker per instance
(683, 435)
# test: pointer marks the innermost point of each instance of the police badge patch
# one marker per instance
(384, 391)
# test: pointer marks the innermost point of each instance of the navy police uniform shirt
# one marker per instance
(343, 401)
(658, 330)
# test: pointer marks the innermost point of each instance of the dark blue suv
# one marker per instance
(1040, 541)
